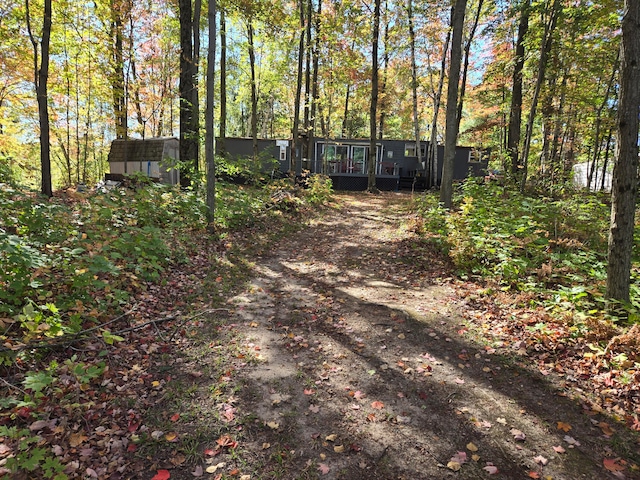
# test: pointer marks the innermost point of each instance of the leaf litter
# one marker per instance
(337, 286)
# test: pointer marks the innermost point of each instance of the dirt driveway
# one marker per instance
(355, 363)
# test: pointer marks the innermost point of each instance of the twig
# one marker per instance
(210, 310)
(11, 385)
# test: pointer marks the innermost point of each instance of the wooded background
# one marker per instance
(539, 78)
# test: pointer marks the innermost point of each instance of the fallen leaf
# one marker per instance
(501, 421)
(606, 429)
(377, 405)
(541, 460)
(309, 391)
(213, 468)
(534, 475)
(273, 425)
(266, 445)
(472, 447)
(559, 449)
(455, 466)
(245, 477)
(314, 408)
(358, 395)
(518, 435)
(76, 439)
(171, 437)
(571, 441)
(475, 458)
(565, 427)
(175, 417)
(491, 469)
(323, 467)
(460, 457)
(161, 475)
(612, 464)
(338, 448)
(459, 381)
(198, 472)
(331, 438)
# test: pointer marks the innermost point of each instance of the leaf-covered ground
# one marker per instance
(349, 352)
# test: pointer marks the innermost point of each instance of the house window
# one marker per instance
(410, 150)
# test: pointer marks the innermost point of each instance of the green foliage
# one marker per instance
(319, 189)
(30, 457)
(553, 247)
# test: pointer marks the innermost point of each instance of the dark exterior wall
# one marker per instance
(268, 150)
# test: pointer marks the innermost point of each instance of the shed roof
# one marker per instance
(131, 150)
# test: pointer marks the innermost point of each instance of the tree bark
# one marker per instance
(209, 142)
(188, 137)
(465, 68)
(296, 107)
(432, 155)
(117, 73)
(383, 85)
(545, 49)
(414, 81)
(254, 93)
(451, 129)
(223, 84)
(515, 115)
(371, 176)
(40, 80)
(625, 170)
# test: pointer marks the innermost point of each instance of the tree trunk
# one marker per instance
(597, 141)
(545, 49)
(465, 68)
(117, 73)
(296, 107)
(515, 115)
(307, 83)
(625, 170)
(209, 142)
(188, 137)
(315, 93)
(254, 93)
(414, 82)
(371, 182)
(222, 148)
(383, 85)
(40, 80)
(432, 156)
(195, 127)
(605, 163)
(451, 129)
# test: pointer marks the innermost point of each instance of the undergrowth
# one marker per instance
(553, 248)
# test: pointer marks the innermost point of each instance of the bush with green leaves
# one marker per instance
(556, 247)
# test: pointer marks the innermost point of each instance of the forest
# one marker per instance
(132, 317)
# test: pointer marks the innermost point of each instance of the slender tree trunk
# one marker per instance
(432, 156)
(254, 93)
(222, 148)
(345, 116)
(209, 143)
(40, 80)
(307, 83)
(188, 137)
(601, 107)
(545, 49)
(195, 127)
(315, 93)
(383, 86)
(371, 183)
(296, 107)
(451, 130)
(117, 73)
(414, 82)
(465, 68)
(625, 171)
(515, 115)
(605, 163)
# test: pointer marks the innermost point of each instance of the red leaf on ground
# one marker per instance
(175, 417)
(377, 405)
(612, 464)
(161, 475)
